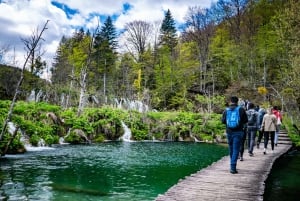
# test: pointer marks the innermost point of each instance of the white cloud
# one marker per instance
(19, 18)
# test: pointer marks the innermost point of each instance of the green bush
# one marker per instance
(34, 139)
(99, 139)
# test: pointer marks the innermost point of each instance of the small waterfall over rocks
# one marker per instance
(195, 139)
(61, 141)
(35, 97)
(25, 139)
(127, 133)
(131, 105)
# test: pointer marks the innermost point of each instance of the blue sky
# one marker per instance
(20, 18)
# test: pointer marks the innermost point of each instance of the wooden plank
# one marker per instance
(216, 183)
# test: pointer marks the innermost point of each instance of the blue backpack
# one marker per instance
(233, 117)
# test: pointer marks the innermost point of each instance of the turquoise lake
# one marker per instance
(108, 171)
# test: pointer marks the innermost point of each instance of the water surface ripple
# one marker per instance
(108, 171)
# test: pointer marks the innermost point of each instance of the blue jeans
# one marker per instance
(243, 140)
(277, 133)
(251, 140)
(234, 141)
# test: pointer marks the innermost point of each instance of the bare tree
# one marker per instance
(232, 11)
(3, 51)
(83, 73)
(200, 29)
(30, 52)
(36, 65)
(138, 34)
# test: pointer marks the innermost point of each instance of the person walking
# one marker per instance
(278, 115)
(252, 127)
(241, 103)
(243, 140)
(261, 113)
(269, 127)
(235, 118)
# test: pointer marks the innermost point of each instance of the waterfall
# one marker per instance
(131, 105)
(11, 127)
(127, 133)
(35, 97)
(62, 141)
(41, 143)
(25, 139)
(39, 96)
(195, 139)
(31, 97)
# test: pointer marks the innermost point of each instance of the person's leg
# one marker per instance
(236, 144)
(272, 139)
(248, 140)
(266, 140)
(275, 138)
(276, 134)
(242, 147)
(260, 135)
(252, 142)
(229, 141)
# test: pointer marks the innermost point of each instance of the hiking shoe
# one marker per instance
(265, 152)
(251, 154)
(241, 159)
(233, 171)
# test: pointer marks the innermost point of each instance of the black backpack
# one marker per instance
(252, 118)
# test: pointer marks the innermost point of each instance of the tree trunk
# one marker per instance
(10, 140)
(29, 54)
(82, 82)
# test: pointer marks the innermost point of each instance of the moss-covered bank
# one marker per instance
(50, 123)
(42, 122)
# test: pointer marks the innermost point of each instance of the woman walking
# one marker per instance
(268, 126)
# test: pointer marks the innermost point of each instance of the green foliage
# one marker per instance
(34, 139)
(99, 139)
(292, 129)
(9, 77)
(168, 31)
(100, 124)
(73, 138)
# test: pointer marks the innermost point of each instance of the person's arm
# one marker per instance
(224, 117)
(257, 120)
(262, 127)
(244, 117)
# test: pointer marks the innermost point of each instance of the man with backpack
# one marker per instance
(252, 127)
(235, 118)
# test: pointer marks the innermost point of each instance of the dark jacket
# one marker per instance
(243, 119)
(255, 126)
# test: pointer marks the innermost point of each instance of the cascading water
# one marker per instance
(25, 139)
(195, 139)
(131, 105)
(33, 97)
(127, 133)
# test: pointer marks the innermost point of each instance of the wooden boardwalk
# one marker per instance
(217, 183)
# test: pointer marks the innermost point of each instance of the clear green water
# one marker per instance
(109, 171)
(283, 184)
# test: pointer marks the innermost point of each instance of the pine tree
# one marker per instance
(105, 51)
(168, 35)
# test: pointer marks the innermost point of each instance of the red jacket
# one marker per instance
(277, 114)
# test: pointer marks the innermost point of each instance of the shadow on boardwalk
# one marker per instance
(217, 183)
